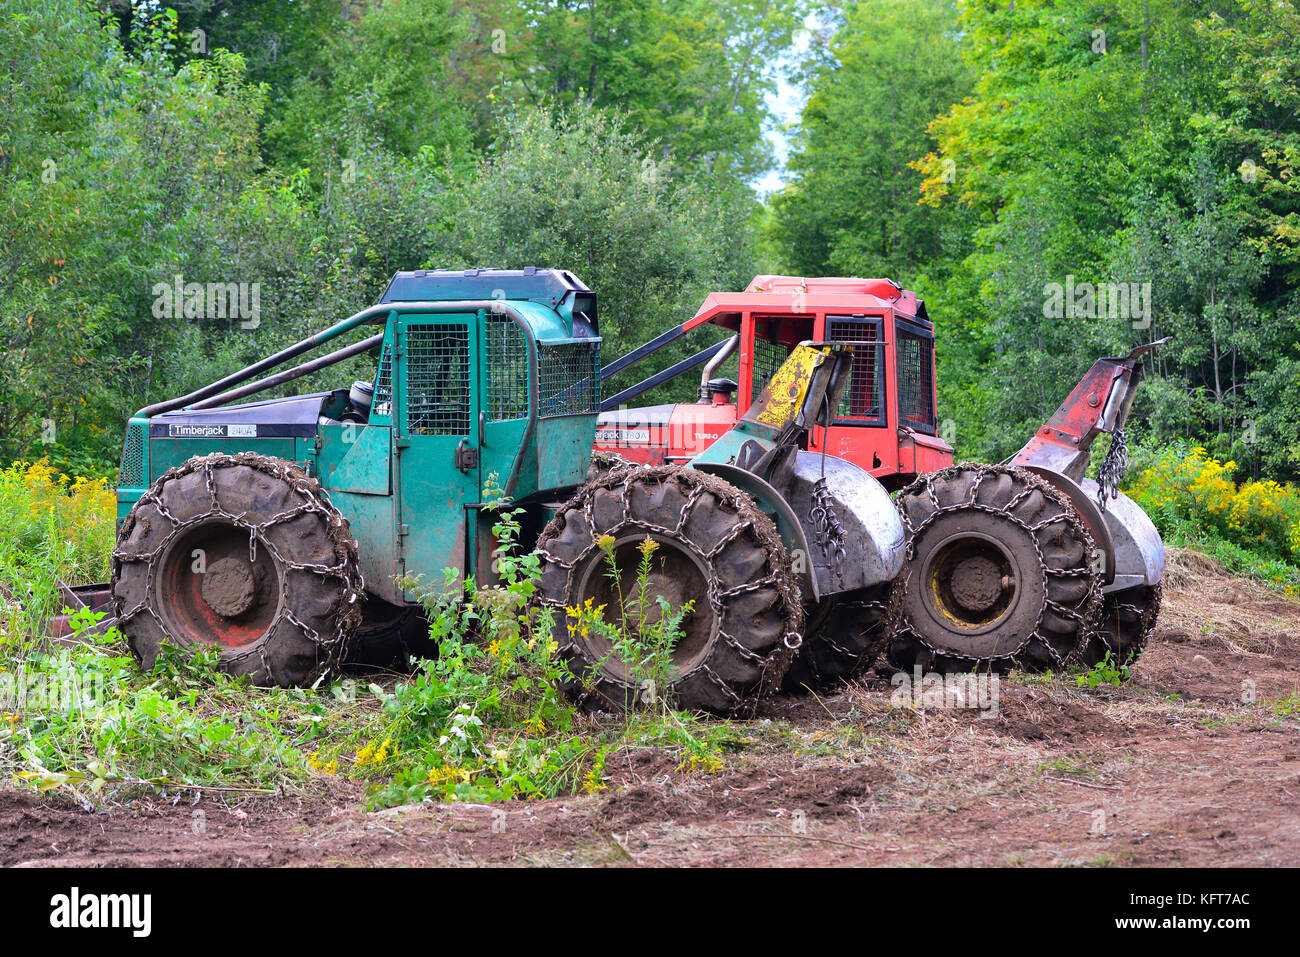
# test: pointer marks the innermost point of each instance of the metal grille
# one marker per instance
(768, 357)
(383, 401)
(860, 403)
(437, 379)
(507, 370)
(569, 378)
(131, 472)
(915, 380)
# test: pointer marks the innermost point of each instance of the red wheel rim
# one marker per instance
(208, 590)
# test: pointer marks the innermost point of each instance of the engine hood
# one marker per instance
(294, 416)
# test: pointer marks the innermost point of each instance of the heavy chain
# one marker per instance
(1113, 469)
(314, 499)
(1145, 615)
(830, 533)
(770, 666)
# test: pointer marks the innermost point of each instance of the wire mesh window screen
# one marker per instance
(569, 378)
(860, 403)
(383, 401)
(915, 380)
(768, 357)
(131, 472)
(507, 349)
(437, 379)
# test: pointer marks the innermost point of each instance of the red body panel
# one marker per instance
(661, 434)
(886, 430)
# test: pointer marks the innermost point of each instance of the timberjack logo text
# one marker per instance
(75, 910)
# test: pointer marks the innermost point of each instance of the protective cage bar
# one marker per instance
(437, 379)
(568, 377)
(507, 386)
(914, 365)
(383, 400)
(862, 403)
(768, 357)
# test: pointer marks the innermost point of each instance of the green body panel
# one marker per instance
(372, 520)
(563, 448)
(355, 458)
(134, 474)
(558, 453)
(727, 447)
(437, 406)
(354, 463)
(168, 453)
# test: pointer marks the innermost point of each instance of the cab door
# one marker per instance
(436, 438)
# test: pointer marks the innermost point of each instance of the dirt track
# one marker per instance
(1172, 769)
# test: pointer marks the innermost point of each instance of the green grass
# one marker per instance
(182, 725)
(1242, 562)
(453, 731)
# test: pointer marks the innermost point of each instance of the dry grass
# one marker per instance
(1203, 598)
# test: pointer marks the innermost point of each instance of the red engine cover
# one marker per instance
(660, 434)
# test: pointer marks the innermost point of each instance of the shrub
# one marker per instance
(1193, 500)
(53, 527)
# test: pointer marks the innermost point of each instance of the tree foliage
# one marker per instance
(315, 149)
(1133, 142)
(990, 155)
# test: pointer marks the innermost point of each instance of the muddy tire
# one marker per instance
(713, 548)
(845, 641)
(999, 573)
(1127, 620)
(244, 553)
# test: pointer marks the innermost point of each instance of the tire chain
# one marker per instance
(318, 502)
(1147, 615)
(1086, 614)
(830, 533)
(772, 667)
(876, 613)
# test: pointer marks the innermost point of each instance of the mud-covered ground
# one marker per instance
(1174, 768)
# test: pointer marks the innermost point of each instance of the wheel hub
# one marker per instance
(676, 575)
(976, 595)
(977, 583)
(210, 591)
(229, 587)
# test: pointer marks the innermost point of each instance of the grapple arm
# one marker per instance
(1099, 403)
(1131, 552)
